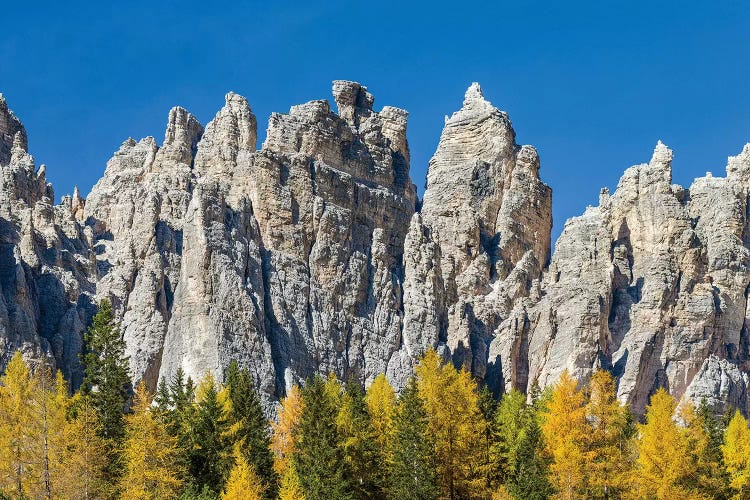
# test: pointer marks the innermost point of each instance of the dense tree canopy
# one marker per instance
(439, 437)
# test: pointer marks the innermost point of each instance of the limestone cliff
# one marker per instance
(313, 254)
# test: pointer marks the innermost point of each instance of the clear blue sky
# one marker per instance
(592, 85)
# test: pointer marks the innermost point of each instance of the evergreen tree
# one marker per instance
(106, 378)
(487, 408)
(163, 399)
(359, 444)
(708, 479)
(512, 419)
(243, 482)
(736, 453)
(412, 473)
(530, 470)
(207, 433)
(251, 427)
(149, 454)
(319, 459)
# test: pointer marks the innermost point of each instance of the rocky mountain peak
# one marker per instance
(313, 255)
(662, 156)
(183, 129)
(12, 133)
(473, 93)
(352, 100)
(232, 132)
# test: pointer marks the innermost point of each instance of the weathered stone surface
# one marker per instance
(313, 254)
(492, 218)
(47, 270)
(652, 285)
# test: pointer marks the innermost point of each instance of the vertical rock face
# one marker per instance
(492, 217)
(652, 285)
(47, 268)
(313, 254)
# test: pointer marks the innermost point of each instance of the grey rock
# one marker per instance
(313, 254)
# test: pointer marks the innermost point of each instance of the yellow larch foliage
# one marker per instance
(456, 423)
(19, 430)
(609, 460)
(283, 430)
(662, 447)
(243, 482)
(50, 405)
(83, 465)
(565, 435)
(149, 454)
(291, 489)
(705, 477)
(334, 390)
(381, 403)
(736, 452)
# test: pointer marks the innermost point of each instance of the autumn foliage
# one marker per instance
(441, 436)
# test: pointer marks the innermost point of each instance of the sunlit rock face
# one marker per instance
(652, 285)
(312, 254)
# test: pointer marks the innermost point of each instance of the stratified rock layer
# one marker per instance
(313, 254)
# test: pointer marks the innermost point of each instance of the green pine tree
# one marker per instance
(413, 475)
(488, 408)
(107, 383)
(529, 477)
(206, 436)
(106, 378)
(713, 478)
(252, 431)
(319, 460)
(359, 444)
(512, 419)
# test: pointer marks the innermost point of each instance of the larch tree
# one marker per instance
(452, 405)
(50, 404)
(284, 430)
(19, 429)
(381, 403)
(319, 459)
(290, 488)
(607, 439)
(84, 467)
(149, 454)
(565, 433)
(413, 473)
(736, 453)
(251, 431)
(243, 483)
(662, 467)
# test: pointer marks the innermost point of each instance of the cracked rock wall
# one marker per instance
(313, 254)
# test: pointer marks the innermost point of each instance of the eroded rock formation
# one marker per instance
(313, 254)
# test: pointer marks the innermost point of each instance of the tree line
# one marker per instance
(442, 437)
